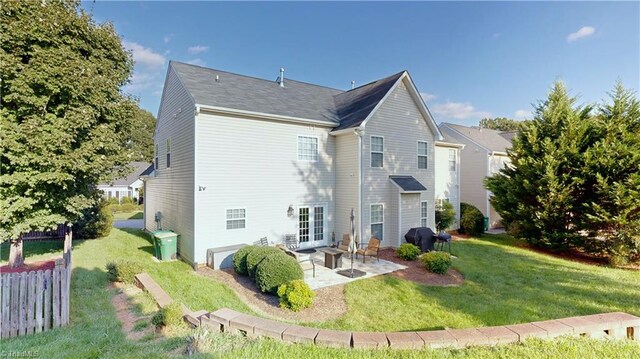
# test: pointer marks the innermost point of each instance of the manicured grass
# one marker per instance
(503, 284)
(127, 215)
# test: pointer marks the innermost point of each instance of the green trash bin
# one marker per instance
(165, 245)
(486, 224)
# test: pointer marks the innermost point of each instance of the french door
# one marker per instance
(311, 225)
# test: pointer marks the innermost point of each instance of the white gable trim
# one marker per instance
(413, 91)
(466, 137)
(259, 115)
(449, 144)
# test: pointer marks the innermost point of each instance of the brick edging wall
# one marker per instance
(616, 325)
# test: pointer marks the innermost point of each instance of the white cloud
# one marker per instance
(198, 62)
(522, 114)
(144, 55)
(168, 38)
(458, 110)
(141, 81)
(584, 31)
(197, 49)
(427, 96)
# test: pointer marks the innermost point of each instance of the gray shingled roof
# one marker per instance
(138, 169)
(491, 139)
(346, 109)
(408, 183)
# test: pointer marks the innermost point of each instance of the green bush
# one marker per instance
(276, 270)
(96, 222)
(240, 259)
(123, 271)
(408, 251)
(169, 316)
(445, 215)
(296, 295)
(437, 262)
(127, 200)
(471, 220)
(257, 255)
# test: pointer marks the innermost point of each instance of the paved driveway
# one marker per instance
(129, 223)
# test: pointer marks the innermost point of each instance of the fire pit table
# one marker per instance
(332, 257)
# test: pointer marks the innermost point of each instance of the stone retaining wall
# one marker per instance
(617, 325)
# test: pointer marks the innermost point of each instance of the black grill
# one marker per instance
(423, 237)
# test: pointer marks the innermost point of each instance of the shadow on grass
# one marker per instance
(33, 248)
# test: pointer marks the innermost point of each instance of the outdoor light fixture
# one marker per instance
(290, 211)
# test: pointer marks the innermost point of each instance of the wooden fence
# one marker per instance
(36, 301)
(58, 233)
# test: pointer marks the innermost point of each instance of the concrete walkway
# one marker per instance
(326, 277)
(496, 231)
(129, 223)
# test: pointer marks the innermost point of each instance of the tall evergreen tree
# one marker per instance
(64, 120)
(501, 124)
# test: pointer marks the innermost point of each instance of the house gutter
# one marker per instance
(259, 115)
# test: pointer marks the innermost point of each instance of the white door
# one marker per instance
(311, 225)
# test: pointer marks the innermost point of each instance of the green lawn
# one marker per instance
(503, 284)
(127, 215)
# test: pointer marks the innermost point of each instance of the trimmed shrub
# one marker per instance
(445, 215)
(471, 220)
(169, 316)
(240, 259)
(276, 270)
(257, 255)
(408, 251)
(95, 222)
(123, 271)
(296, 295)
(437, 262)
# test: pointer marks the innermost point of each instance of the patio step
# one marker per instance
(145, 282)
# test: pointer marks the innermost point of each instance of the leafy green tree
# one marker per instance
(541, 193)
(140, 136)
(501, 124)
(612, 170)
(445, 215)
(64, 119)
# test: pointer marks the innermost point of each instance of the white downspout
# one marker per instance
(358, 132)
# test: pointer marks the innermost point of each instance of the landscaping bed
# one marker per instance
(416, 272)
(329, 303)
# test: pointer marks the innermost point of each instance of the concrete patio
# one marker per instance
(326, 277)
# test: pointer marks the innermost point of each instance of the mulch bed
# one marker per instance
(27, 267)
(416, 272)
(328, 304)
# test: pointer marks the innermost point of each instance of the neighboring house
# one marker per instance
(128, 187)
(239, 158)
(447, 182)
(484, 154)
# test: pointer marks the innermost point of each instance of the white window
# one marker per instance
(424, 213)
(169, 152)
(155, 155)
(377, 220)
(423, 155)
(307, 148)
(236, 218)
(377, 151)
(452, 159)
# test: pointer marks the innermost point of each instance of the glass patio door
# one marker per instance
(311, 226)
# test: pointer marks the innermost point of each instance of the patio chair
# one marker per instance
(261, 242)
(291, 242)
(344, 243)
(304, 260)
(373, 249)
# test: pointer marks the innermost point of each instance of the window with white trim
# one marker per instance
(155, 155)
(424, 213)
(377, 151)
(236, 218)
(377, 221)
(423, 155)
(307, 148)
(168, 148)
(452, 159)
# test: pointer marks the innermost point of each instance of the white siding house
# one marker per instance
(447, 186)
(252, 158)
(127, 187)
(484, 154)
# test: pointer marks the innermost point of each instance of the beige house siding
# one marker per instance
(170, 192)
(411, 213)
(447, 182)
(496, 162)
(400, 122)
(252, 164)
(347, 190)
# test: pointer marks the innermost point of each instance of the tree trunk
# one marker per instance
(15, 253)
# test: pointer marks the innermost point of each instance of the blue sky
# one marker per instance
(469, 59)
